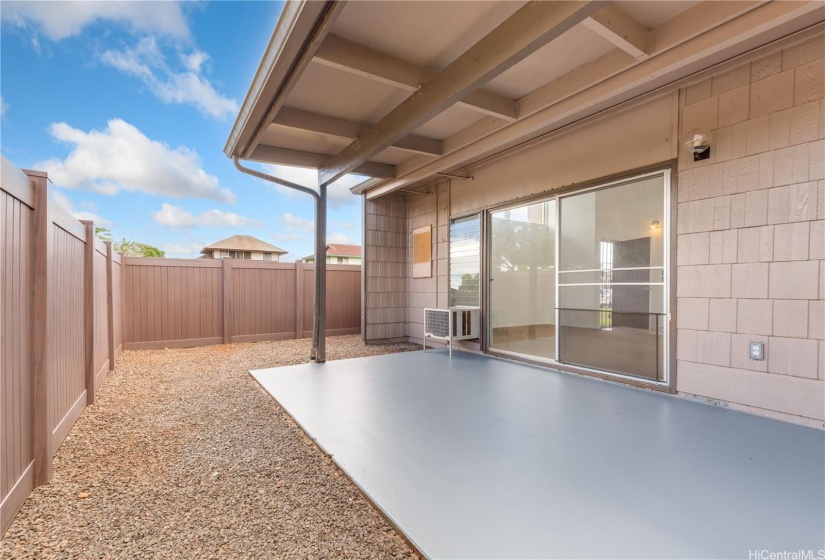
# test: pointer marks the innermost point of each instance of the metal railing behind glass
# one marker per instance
(625, 342)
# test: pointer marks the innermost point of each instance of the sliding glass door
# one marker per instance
(612, 278)
(601, 303)
(522, 280)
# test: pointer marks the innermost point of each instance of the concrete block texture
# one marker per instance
(749, 280)
(794, 280)
(790, 318)
(722, 315)
(757, 207)
(791, 241)
(816, 319)
(692, 313)
(794, 356)
(755, 316)
(771, 94)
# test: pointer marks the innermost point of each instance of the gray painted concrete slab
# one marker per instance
(483, 458)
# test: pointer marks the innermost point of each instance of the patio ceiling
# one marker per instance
(402, 91)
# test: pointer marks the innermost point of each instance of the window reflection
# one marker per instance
(522, 290)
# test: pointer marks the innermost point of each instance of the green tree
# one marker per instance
(103, 233)
(137, 249)
(128, 247)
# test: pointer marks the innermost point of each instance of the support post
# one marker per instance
(318, 350)
(319, 334)
(89, 309)
(299, 299)
(110, 303)
(227, 300)
(41, 432)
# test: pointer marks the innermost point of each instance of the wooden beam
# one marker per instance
(342, 128)
(527, 30)
(672, 64)
(697, 20)
(346, 55)
(327, 17)
(615, 25)
(298, 158)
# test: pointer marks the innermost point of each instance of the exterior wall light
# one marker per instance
(698, 143)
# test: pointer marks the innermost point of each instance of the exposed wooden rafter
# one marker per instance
(342, 128)
(591, 85)
(615, 25)
(528, 29)
(337, 52)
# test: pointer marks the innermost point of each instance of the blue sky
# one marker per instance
(127, 106)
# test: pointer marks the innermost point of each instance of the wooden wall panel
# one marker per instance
(66, 349)
(16, 453)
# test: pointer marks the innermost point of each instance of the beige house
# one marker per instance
(633, 191)
(340, 254)
(243, 247)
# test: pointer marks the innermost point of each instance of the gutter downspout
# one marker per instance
(318, 352)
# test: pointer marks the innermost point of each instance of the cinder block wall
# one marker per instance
(428, 209)
(385, 276)
(751, 238)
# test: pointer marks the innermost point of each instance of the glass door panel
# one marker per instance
(522, 280)
(612, 297)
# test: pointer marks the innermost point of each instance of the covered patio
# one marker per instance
(478, 457)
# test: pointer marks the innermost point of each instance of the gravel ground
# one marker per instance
(185, 456)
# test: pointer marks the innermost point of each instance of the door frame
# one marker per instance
(668, 384)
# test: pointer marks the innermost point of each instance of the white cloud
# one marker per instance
(342, 238)
(185, 86)
(345, 225)
(338, 193)
(176, 217)
(123, 158)
(59, 20)
(292, 222)
(288, 237)
(186, 250)
(3, 107)
(64, 201)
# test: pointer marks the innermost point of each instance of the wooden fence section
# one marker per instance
(173, 303)
(60, 329)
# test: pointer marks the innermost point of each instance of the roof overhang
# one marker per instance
(403, 91)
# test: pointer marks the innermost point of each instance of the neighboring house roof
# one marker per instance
(243, 243)
(340, 250)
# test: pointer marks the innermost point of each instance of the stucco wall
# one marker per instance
(751, 237)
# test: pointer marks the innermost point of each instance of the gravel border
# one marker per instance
(185, 456)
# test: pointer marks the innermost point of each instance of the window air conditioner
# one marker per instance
(453, 323)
